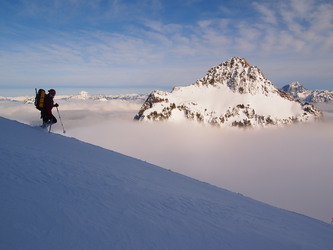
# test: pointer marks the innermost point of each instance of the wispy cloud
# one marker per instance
(298, 25)
(268, 14)
(279, 33)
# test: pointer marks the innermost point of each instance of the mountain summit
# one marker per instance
(233, 93)
(239, 76)
(297, 90)
(294, 89)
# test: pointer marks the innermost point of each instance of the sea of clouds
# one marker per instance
(288, 167)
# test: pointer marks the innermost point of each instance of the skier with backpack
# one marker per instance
(46, 112)
(44, 103)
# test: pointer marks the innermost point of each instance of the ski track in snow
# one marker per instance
(61, 193)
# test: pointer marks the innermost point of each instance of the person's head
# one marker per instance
(52, 92)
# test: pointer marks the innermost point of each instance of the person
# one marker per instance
(46, 112)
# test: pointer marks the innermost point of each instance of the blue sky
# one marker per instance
(162, 43)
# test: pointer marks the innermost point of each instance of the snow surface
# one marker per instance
(61, 193)
(221, 98)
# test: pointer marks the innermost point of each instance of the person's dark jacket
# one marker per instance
(48, 105)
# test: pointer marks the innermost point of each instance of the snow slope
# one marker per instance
(60, 193)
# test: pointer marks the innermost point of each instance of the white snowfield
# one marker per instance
(215, 101)
(60, 193)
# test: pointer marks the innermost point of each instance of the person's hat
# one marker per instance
(52, 92)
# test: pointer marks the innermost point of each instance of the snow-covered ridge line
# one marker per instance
(297, 90)
(233, 93)
(83, 95)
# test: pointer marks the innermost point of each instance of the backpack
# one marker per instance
(39, 99)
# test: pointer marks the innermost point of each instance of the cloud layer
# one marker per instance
(287, 167)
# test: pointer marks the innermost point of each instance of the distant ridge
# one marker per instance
(297, 90)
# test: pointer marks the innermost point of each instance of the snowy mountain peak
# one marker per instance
(84, 95)
(239, 76)
(233, 93)
(299, 92)
(294, 88)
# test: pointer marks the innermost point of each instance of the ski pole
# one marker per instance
(62, 125)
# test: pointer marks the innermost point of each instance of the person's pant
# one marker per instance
(49, 118)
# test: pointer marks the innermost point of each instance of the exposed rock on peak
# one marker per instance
(239, 76)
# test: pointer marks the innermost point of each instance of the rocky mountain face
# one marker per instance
(239, 76)
(233, 93)
(298, 91)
